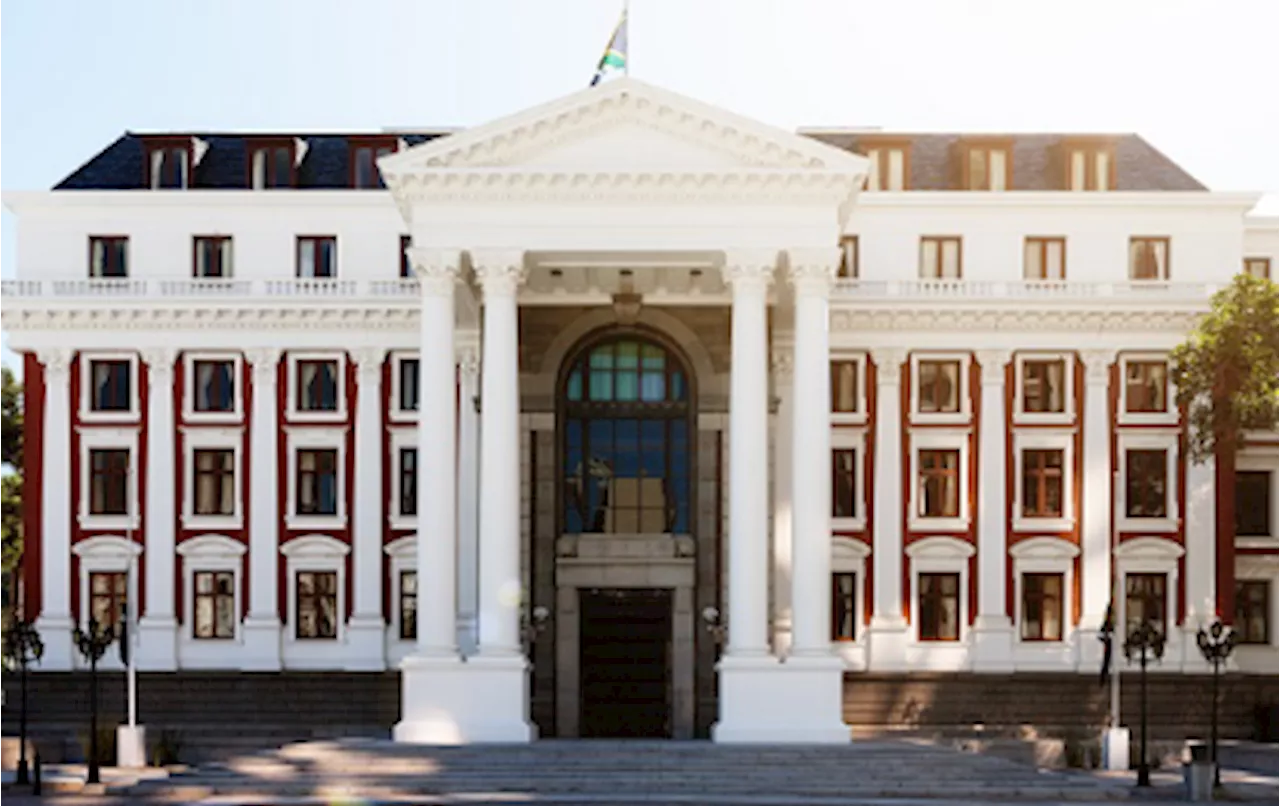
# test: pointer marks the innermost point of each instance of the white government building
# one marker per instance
(628, 411)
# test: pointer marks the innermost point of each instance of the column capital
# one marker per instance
(437, 270)
(889, 361)
(783, 360)
(749, 269)
(468, 358)
(993, 363)
(159, 360)
(368, 361)
(264, 361)
(1097, 364)
(813, 271)
(56, 359)
(500, 272)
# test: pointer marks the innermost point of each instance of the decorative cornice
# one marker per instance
(56, 361)
(500, 272)
(437, 270)
(889, 361)
(993, 363)
(978, 319)
(211, 317)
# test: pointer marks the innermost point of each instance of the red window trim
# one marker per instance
(354, 144)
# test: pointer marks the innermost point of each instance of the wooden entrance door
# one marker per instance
(625, 662)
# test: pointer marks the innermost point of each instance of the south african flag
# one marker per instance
(615, 55)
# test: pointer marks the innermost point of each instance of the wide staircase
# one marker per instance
(606, 771)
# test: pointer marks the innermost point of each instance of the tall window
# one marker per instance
(408, 605)
(215, 385)
(1089, 166)
(109, 481)
(215, 486)
(627, 447)
(939, 387)
(1253, 608)
(1145, 601)
(888, 169)
(408, 369)
(1044, 259)
(168, 166)
(317, 385)
(940, 258)
(939, 607)
(215, 605)
(317, 256)
(1253, 503)
(848, 258)
(271, 165)
(112, 385)
(108, 593)
(364, 164)
(212, 256)
(1146, 386)
(1146, 484)
(987, 167)
(1042, 607)
(1258, 266)
(108, 256)
(408, 481)
(1044, 386)
(1148, 258)
(317, 492)
(317, 604)
(844, 501)
(939, 484)
(844, 387)
(844, 606)
(1042, 483)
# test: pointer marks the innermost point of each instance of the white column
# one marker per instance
(54, 621)
(1096, 551)
(783, 418)
(888, 630)
(157, 629)
(993, 630)
(262, 624)
(1200, 559)
(366, 631)
(468, 497)
(811, 278)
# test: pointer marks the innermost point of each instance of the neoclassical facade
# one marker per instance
(625, 415)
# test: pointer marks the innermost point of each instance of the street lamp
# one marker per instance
(22, 646)
(531, 626)
(716, 625)
(93, 643)
(1146, 642)
(1216, 644)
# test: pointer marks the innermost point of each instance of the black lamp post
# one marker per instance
(22, 646)
(1216, 644)
(1146, 642)
(93, 643)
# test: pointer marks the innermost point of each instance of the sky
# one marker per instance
(1197, 79)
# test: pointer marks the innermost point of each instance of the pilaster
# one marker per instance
(262, 624)
(468, 497)
(1097, 514)
(158, 627)
(887, 634)
(366, 629)
(55, 619)
(992, 629)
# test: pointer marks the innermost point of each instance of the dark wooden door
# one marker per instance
(625, 663)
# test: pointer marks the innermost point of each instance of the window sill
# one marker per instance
(1044, 418)
(1164, 525)
(1147, 418)
(397, 415)
(304, 416)
(404, 523)
(295, 521)
(949, 418)
(1257, 542)
(1029, 524)
(192, 521)
(213, 417)
(849, 418)
(90, 417)
(925, 524)
(107, 522)
(848, 524)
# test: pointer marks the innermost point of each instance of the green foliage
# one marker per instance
(167, 749)
(1227, 371)
(11, 519)
(22, 644)
(11, 404)
(10, 419)
(106, 746)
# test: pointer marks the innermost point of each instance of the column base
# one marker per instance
(447, 701)
(887, 644)
(55, 632)
(767, 701)
(992, 642)
(131, 746)
(1115, 749)
(1089, 648)
(261, 644)
(157, 644)
(366, 644)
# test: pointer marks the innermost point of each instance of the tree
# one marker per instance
(11, 483)
(1227, 375)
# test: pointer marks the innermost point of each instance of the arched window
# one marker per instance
(626, 438)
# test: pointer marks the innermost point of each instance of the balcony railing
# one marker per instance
(203, 289)
(1024, 290)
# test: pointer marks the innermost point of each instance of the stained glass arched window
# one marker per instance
(626, 438)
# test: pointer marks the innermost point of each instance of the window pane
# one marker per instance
(843, 498)
(844, 386)
(929, 265)
(1253, 503)
(409, 384)
(1146, 474)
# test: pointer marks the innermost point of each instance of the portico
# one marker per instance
(616, 190)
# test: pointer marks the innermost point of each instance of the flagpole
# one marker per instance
(130, 632)
(626, 20)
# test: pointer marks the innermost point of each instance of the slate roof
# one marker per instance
(933, 161)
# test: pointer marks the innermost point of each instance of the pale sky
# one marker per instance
(1197, 79)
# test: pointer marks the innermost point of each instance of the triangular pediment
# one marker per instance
(623, 126)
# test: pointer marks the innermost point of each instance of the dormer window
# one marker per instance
(168, 165)
(1089, 165)
(271, 164)
(986, 166)
(890, 164)
(364, 162)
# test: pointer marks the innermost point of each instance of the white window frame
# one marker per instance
(939, 439)
(315, 553)
(189, 412)
(962, 417)
(309, 437)
(859, 415)
(1044, 439)
(1261, 459)
(856, 440)
(399, 438)
(1068, 414)
(394, 412)
(106, 554)
(1260, 568)
(1044, 555)
(940, 555)
(1166, 440)
(291, 386)
(402, 555)
(1152, 555)
(849, 556)
(1167, 417)
(87, 414)
(210, 553)
(109, 438)
(194, 439)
